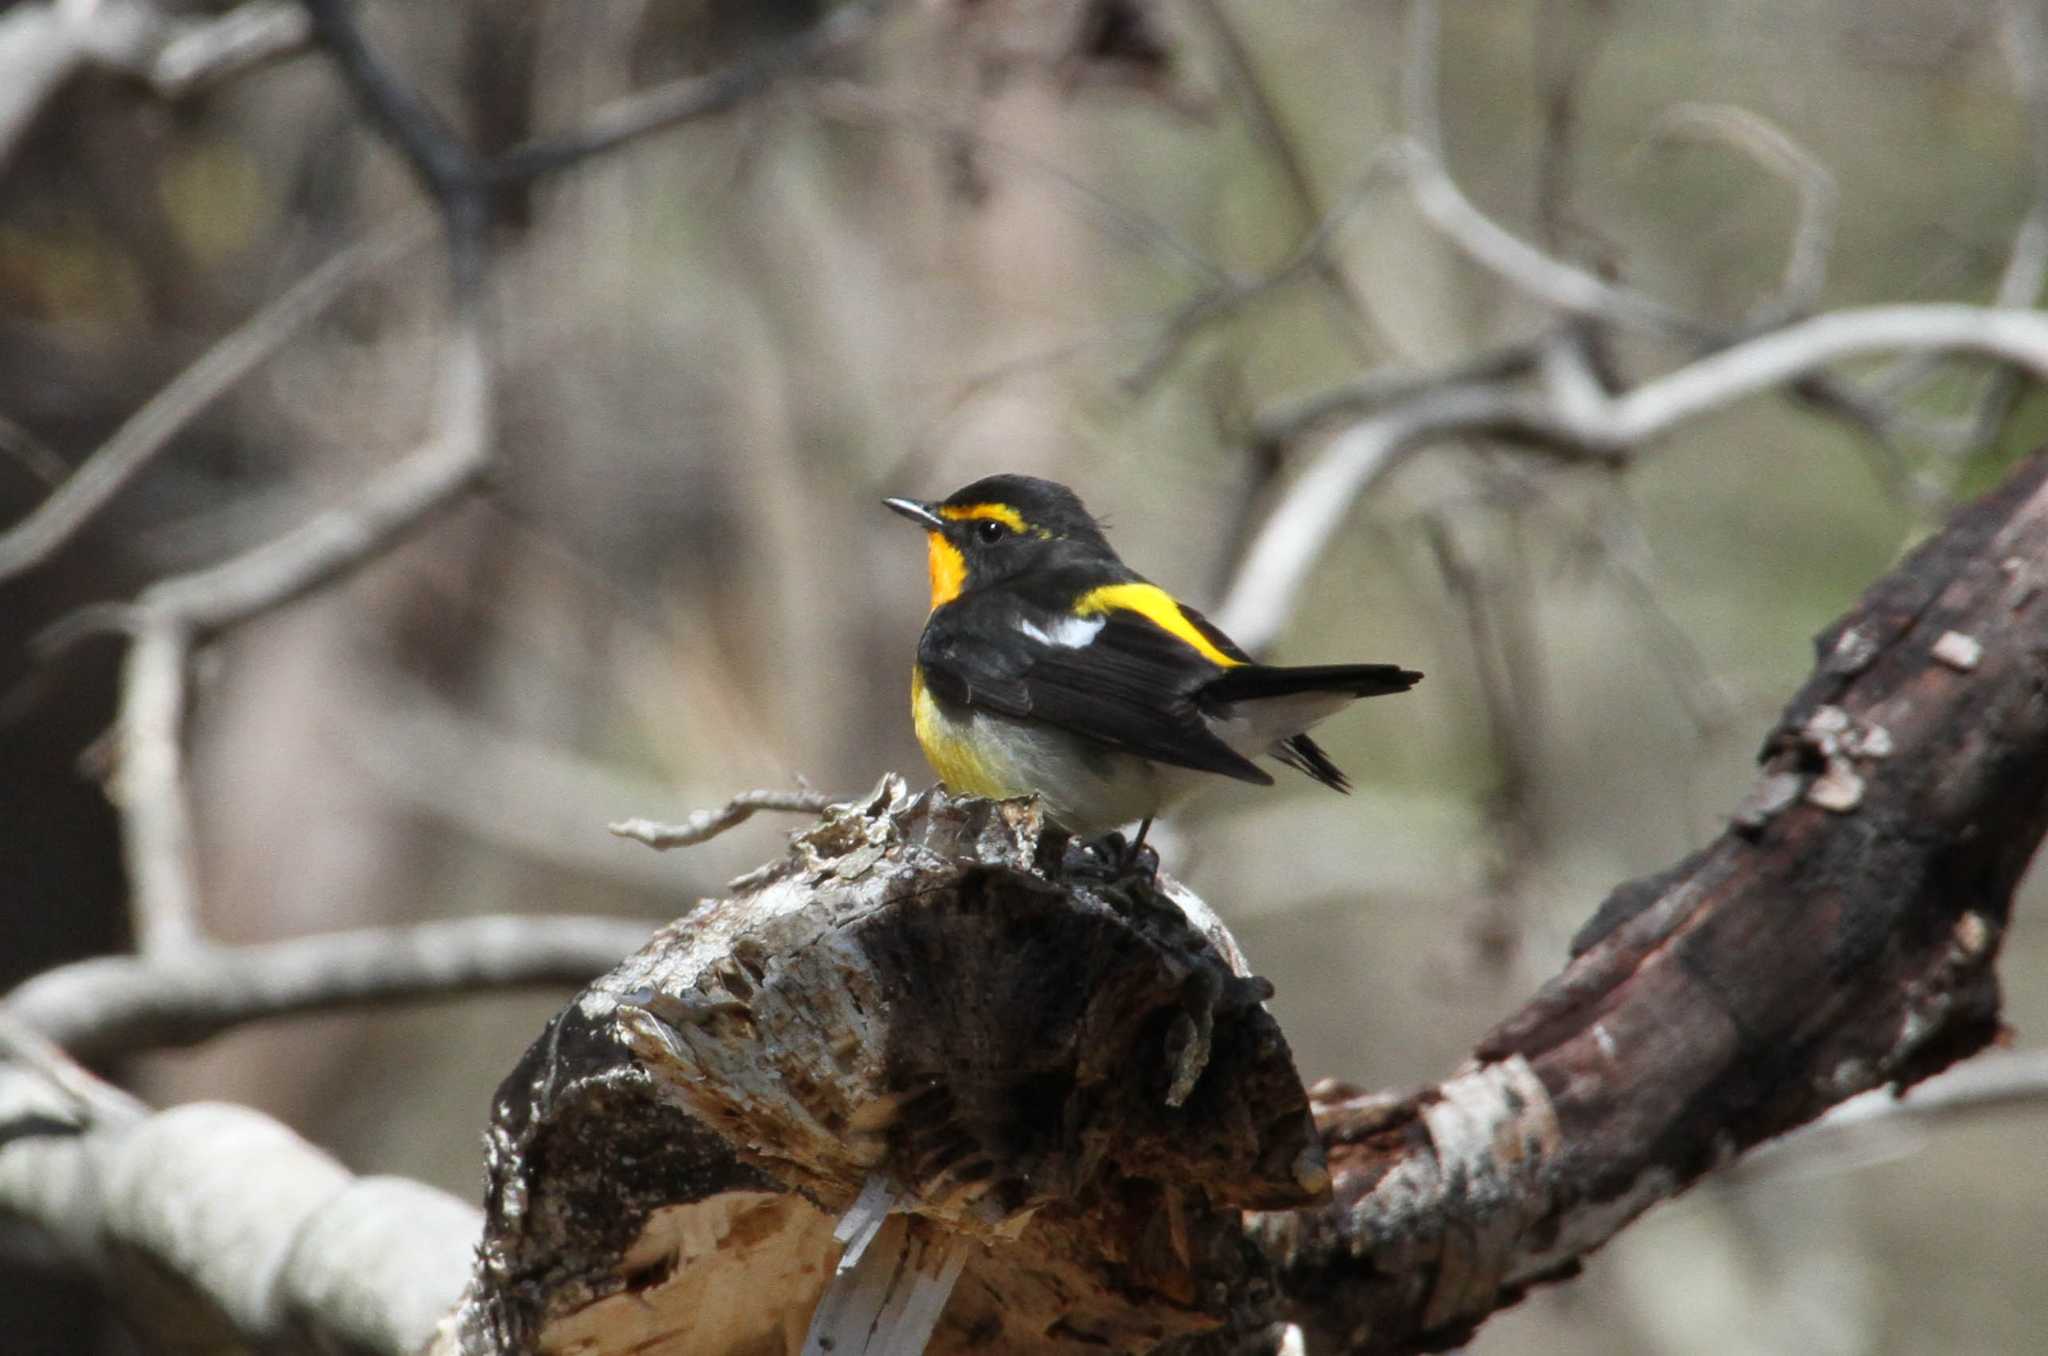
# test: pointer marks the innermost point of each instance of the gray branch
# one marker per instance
(118, 1005)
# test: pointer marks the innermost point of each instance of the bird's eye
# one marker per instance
(990, 531)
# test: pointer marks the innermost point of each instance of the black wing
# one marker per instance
(1132, 687)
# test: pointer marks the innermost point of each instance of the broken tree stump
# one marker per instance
(1031, 1105)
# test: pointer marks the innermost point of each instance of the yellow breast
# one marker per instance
(949, 748)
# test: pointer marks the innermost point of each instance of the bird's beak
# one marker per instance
(923, 514)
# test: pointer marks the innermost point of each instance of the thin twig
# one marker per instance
(1564, 286)
(636, 115)
(1289, 421)
(705, 825)
(174, 614)
(32, 454)
(202, 50)
(1776, 150)
(1270, 130)
(120, 1005)
(1564, 56)
(148, 431)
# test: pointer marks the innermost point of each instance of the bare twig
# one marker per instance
(1565, 52)
(31, 453)
(1564, 286)
(148, 787)
(1770, 146)
(636, 115)
(201, 50)
(118, 1005)
(1270, 130)
(1289, 421)
(174, 614)
(1589, 426)
(705, 825)
(150, 429)
(451, 174)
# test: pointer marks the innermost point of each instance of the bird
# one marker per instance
(1047, 666)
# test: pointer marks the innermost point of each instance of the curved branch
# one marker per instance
(220, 1226)
(1583, 422)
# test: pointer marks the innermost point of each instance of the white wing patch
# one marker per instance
(1068, 632)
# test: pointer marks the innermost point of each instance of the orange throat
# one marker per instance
(948, 569)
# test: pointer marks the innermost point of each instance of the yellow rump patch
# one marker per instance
(1002, 513)
(948, 569)
(1157, 606)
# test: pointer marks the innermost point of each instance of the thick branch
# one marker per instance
(1837, 938)
(213, 1227)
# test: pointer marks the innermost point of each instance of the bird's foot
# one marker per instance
(1111, 860)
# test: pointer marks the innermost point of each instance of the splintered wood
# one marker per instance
(915, 1081)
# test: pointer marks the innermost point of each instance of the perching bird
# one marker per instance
(1050, 666)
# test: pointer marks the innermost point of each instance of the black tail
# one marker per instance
(1253, 681)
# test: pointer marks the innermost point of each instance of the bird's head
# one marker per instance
(1001, 527)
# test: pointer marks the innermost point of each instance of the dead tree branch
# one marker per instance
(213, 1227)
(706, 825)
(173, 615)
(1840, 936)
(1582, 422)
(118, 1005)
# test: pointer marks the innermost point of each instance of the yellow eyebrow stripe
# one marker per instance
(1157, 606)
(1002, 513)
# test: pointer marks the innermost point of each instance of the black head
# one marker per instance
(1001, 527)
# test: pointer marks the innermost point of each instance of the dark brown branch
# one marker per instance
(1838, 937)
(119, 1005)
(445, 166)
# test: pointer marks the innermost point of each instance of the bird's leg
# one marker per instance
(1139, 860)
